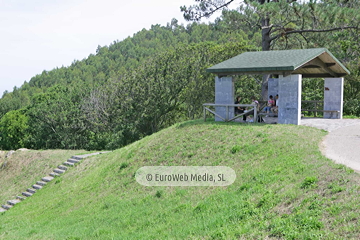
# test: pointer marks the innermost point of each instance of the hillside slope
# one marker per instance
(284, 189)
(24, 168)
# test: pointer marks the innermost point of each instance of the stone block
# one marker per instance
(69, 164)
(13, 202)
(47, 179)
(273, 86)
(54, 174)
(41, 183)
(20, 198)
(35, 186)
(333, 97)
(290, 99)
(59, 171)
(73, 160)
(31, 190)
(7, 207)
(224, 94)
(26, 194)
(62, 167)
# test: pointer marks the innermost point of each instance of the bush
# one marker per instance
(13, 130)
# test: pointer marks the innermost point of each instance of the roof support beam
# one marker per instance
(322, 65)
(330, 64)
(311, 66)
(324, 75)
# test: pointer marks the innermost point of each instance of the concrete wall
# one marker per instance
(333, 97)
(290, 99)
(224, 94)
(273, 87)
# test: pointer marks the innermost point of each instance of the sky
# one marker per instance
(38, 35)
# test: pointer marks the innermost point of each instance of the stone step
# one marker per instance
(62, 167)
(7, 207)
(80, 157)
(31, 190)
(73, 160)
(2, 210)
(47, 179)
(27, 194)
(37, 186)
(20, 198)
(13, 202)
(53, 174)
(41, 183)
(77, 157)
(69, 164)
(57, 170)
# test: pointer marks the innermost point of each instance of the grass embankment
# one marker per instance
(284, 189)
(24, 168)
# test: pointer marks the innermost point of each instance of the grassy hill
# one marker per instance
(284, 189)
(24, 168)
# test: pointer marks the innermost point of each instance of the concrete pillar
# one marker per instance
(273, 87)
(290, 99)
(333, 97)
(224, 94)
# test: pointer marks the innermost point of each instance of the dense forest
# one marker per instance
(137, 86)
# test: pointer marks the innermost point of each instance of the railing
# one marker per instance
(305, 106)
(232, 106)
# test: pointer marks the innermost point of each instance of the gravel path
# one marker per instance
(342, 144)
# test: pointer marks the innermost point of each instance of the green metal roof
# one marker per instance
(315, 62)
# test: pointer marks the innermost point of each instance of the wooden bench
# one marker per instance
(268, 114)
(324, 111)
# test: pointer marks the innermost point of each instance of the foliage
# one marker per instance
(167, 88)
(13, 129)
(55, 120)
(284, 24)
(137, 86)
(278, 20)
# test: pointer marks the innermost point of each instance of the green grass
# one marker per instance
(284, 189)
(351, 117)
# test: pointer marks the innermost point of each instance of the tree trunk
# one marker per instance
(264, 87)
(265, 33)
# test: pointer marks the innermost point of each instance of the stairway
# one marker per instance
(39, 184)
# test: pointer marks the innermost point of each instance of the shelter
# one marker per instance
(288, 67)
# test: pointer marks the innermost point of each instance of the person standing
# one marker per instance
(251, 112)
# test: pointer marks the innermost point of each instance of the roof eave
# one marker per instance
(338, 62)
(232, 71)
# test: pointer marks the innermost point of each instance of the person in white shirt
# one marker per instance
(276, 107)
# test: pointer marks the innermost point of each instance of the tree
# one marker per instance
(13, 129)
(165, 89)
(278, 20)
(55, 119)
